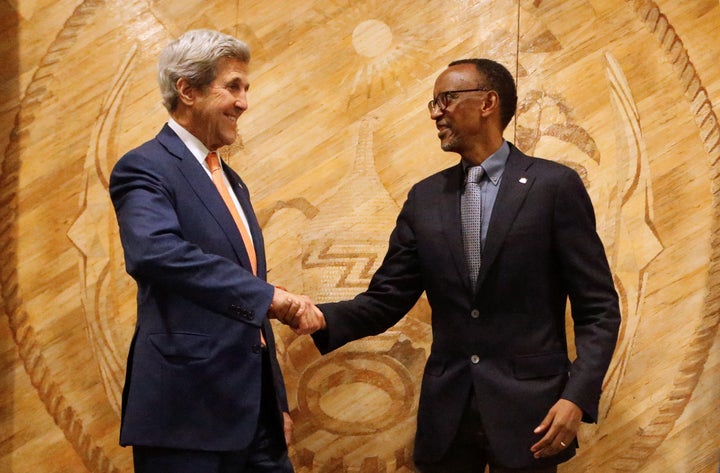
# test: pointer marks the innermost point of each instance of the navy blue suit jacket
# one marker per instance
(506, 339)
(194, 368)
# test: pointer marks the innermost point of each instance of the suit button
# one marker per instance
(475, 359)
(256, 349)
(475, 313)
(241, 312)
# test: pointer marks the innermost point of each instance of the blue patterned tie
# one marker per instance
(471, 214)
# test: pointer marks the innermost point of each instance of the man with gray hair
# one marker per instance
(203, 390)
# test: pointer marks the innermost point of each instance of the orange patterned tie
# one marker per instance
(216, 171)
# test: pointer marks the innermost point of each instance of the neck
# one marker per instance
(183, 116)
(482, 150)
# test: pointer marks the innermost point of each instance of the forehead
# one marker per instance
(461, 76)
(230, 68)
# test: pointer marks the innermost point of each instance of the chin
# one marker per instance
(448, 142)
(447, 146)
(228, 140)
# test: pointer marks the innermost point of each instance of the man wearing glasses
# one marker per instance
(498, 242)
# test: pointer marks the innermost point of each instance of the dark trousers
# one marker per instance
(469, 451)
(266, 454)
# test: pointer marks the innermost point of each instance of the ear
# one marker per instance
(491, 104)
(186, 92)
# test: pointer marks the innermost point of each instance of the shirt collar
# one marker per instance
(494, 165)
(195, 146)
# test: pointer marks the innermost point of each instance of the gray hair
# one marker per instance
(193, 56)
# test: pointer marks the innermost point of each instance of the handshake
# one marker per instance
(297, 312)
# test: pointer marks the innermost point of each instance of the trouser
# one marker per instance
(469, 451)
(266, 454)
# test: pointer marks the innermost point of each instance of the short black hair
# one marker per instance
(499, 79)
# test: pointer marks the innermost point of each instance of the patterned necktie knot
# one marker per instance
(474, 175)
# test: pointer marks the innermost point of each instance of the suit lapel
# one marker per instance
(449, 215)
(207, 194)
(516, 182)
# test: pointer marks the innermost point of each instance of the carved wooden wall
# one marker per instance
(625, 91)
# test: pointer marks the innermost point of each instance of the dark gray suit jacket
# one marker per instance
(194, 368)
(507, 339)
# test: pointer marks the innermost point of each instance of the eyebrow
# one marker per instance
(239, 80)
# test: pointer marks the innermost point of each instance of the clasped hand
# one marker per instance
(296, 311)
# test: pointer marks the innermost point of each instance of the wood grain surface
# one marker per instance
(624, 91)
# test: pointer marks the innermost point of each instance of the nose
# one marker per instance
(241, 101)
(436, 112)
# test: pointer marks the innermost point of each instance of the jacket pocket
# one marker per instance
(181, 345)
(540, 366)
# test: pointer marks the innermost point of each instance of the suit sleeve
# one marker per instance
(394, 289)
(593, 299)
(158, 252)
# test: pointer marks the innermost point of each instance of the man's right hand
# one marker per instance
(297, 312)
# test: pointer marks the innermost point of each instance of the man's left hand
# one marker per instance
(560, 426)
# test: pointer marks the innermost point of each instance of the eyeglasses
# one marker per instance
(443, 99)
